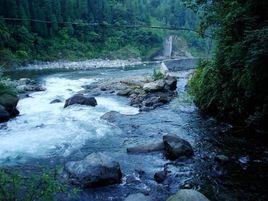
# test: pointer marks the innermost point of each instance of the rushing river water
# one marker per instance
(48, 135)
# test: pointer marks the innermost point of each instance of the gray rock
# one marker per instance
(124, 92)
(146, 148)
(170, 83)
(4, 115)
(56, 101)
(153, 100)
(25, 81)
(81, 100)
(112, 116)
(96, 170)
(157, 85)
(138, 197)
(160, 176)
(176, 147)
(188, 195)
(9, 102)
(29, 88)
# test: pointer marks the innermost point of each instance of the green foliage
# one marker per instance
(50, 36)
(4, 88)
(203, 86)
(157, 75)
(28, 188)
(232, 87)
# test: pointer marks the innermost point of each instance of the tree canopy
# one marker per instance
(58, 29)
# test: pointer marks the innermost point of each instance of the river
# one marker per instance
(48, 135)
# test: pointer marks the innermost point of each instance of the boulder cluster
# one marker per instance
(153, 94)
(25, 85)
(145, 93)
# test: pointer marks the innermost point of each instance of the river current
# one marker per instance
(48, 135)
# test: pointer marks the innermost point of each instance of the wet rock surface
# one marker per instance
(25, 85)
(138, 197)
(160, 176)
(143, 91)
(81, 100)
(188, 195)
(4, 115)
(8, 106)
(95, 170)
(56, 101)
(146, 148)
(175, 147)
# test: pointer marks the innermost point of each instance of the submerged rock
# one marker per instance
(112, 116)
(138, 197)
(160, 176)
(188, 195)
(96, 170)
(222, 158)
(146, 148)
(81, 100)
(56, 101)
(176, 147)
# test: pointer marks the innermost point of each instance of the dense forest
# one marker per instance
(233, 85)
(81, 29)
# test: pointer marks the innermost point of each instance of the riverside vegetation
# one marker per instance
(61, 30)
(232, 86)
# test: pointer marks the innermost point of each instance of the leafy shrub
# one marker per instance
(35, 187)
(157, 75)
(203, 86)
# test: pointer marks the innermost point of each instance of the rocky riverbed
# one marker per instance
(116, 150)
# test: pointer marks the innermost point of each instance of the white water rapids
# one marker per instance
(45, 129)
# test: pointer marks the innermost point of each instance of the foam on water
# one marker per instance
(45, 129)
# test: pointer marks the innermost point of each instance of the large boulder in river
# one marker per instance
(9, 101)
(157, 85)
(170, 83)
(81, 100)
(96, 170)
(176, 147)
(4, 115)
(188, 195)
